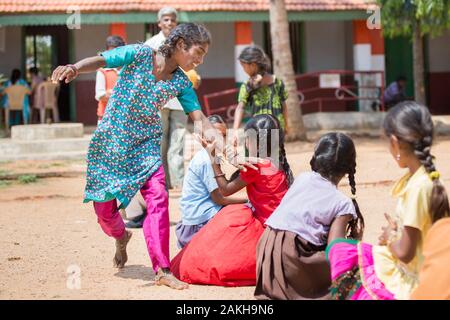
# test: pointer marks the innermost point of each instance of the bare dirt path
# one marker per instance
(46, 231)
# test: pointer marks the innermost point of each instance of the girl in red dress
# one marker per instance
(224, 251)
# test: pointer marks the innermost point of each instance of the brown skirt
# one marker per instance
(290, 268)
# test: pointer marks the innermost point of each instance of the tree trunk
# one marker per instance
(284, 68)
(419, 74)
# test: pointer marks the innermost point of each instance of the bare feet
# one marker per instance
(165, 278)
(121, 256)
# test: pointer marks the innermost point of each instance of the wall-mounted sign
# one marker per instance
(330, 80)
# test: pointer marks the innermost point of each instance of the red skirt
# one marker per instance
(223, 252)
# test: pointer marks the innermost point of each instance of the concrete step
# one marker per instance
(68, 155)
(35, 132)
(56, 149)
(362, 123)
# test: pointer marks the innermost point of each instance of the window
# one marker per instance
(39, 53)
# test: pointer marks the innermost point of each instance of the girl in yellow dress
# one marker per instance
(390, 270)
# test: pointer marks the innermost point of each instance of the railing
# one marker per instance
(228, 97)
(318, 90)
(341, 86)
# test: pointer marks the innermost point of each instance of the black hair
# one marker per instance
(190, 33)
(411, 123)
(34, 70)
(215, 118)
(263, 124)
(334, 157)
(401, 78)
(15, 75)
(114, 42)
(255, 54)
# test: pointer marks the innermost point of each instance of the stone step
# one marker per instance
(68, 155)
(12, 148)
(35, 132)
(363, 123)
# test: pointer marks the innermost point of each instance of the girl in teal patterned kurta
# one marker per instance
(124, 153)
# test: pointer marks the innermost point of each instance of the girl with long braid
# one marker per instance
(291, 260)
(390, 269)
(224, 251)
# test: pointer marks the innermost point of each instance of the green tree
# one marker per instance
(284, 68)
(415, 19)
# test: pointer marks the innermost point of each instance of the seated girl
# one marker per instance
(201, 198)
(224, 251)
(390, 270)
(290, 259)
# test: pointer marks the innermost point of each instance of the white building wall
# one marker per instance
(258, 33)
(439, 53)
(136, 33)
(89, 41)
(219, 62)
(326, 45)
(11, 56)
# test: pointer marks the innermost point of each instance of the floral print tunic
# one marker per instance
(265, 100)
(125, 149)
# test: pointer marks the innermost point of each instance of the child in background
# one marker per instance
(224, 251)
(106, 78)
(18, 88)
(263, 93)
(291, 260)
(390, 269)
(201, 198)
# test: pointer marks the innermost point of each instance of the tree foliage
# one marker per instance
(400, 17)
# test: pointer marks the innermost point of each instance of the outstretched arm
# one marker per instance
(70, 72)
(203, 127)
(112, 59)
(221, 200)
(227, 188)
(207, 134)
(238, 115)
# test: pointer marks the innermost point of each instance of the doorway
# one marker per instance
(46, 48)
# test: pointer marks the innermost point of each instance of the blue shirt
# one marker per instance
(196, 204)
(125, 149)
(393, 92)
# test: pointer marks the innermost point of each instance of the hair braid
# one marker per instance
(356, 226)
(411, 123)
(284, 163)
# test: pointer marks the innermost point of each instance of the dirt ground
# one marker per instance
(48, 236)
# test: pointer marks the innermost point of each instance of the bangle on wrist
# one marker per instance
(74, 69)
(219, 175)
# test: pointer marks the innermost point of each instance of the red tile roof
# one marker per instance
(54, 6)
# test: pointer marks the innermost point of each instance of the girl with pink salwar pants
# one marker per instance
(156, 224)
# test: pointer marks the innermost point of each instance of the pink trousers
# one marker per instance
(156, 224)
